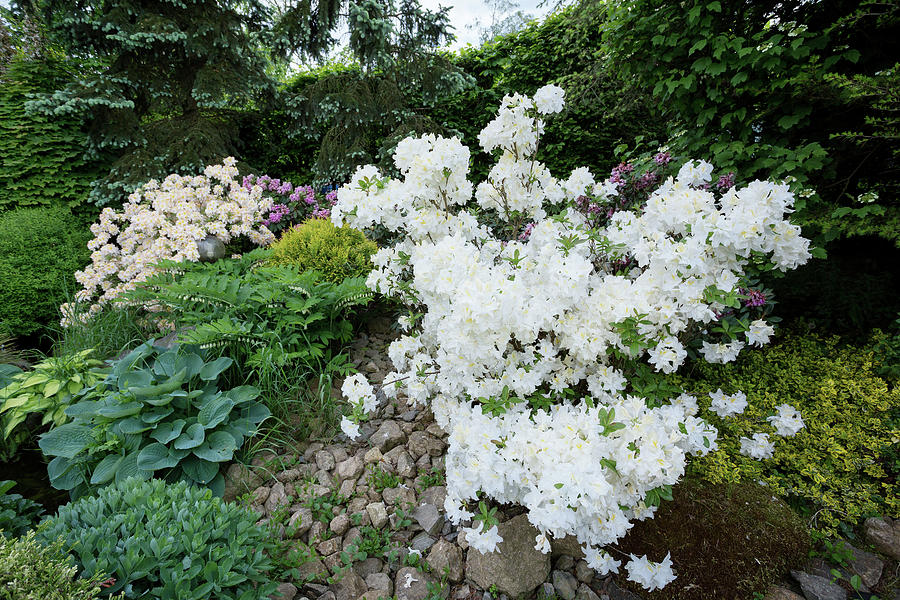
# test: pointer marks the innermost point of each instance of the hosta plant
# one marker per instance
(158, 413)
(44, 391)
(166, 542)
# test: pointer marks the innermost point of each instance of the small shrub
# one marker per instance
(318, 245)
(839, 467)
(726, 540)
(44, 392)
(17, 514)
(160, 411)
(40, 249)
(30, 570)
(166, 541)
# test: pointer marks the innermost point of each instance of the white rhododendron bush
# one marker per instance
(523, 318)
(164, 221)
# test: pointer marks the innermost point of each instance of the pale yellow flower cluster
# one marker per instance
(164, 221)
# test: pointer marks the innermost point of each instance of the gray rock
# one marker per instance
(388, 436)
(368, 567)
(380, 582)
(412, 584)
(312, 570)
(353, 536)
(375, 595)
(340, 524)
(300, 521)
(339, 452)
(285, 591)
(446, 556)
(565, 584)
(323, 477)
(350, 587)
(429, 518)
(586, 593)
(409, 416)
(378, 514)
(239, 479)
(567, 546)
(779, 593)
(583, 572)
(329, 546)
(406, 466)
(349, 469)
(288, 475)
(884, 534)
(317, 531)
(348, 486)
(325, 460)
(422, 542)
(866, 565)
(436, 495)
(277, 498)
(373, 455)
(818, 588)
(565, 563)
(546, 591)
(260, 495)
(516, 568)
(398, 496)
(421, 443)
(328, 595)
(616, 593)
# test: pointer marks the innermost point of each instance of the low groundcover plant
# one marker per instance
(526, 317)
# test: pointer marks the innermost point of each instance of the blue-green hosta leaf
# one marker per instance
(64, 473)
(131, 425)
(192, 362)
(124, 366)
(243, 393)
(201, 471)
(66, 440)
(139, 378)
(164, 366)
(155, 457)
(218, 447)
(215, 412)
(106, 469)
(256, 412)
(212, 370)
(190, 438)
(166, 432)
(156, 414)
(128, 468)
(85, 408)
(117, 411)
(217, 486)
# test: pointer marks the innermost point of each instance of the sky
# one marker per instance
(469, 16)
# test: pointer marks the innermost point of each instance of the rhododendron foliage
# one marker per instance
(524, 319)
(164, 221)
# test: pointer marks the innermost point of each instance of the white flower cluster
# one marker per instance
(361, 396)
(504, 320)
(165, 221)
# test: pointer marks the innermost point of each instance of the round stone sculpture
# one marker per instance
(211, 249)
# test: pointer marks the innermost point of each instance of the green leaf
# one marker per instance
(215, 412)
(243, 393)
(218, 447)
(155, 457)
(128, 468)
(166, 432)
(66, 441)
(106, 469)
(156, 414)
(64, 474)
(212, 370)
(131, 426)
(201, 471)
(191, 438)
(117, 411)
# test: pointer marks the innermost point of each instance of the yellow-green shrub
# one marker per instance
(318, 245)
(841, 466)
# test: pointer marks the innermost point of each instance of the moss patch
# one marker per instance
(727, 541)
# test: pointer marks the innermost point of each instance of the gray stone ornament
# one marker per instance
(211, 249)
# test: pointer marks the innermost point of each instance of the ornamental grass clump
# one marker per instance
(164, 221)
(165, 541)
(527, 323)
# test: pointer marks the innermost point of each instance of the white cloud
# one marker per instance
(469, 16)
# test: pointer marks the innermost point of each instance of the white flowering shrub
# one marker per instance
(520, 334)
(164, 221)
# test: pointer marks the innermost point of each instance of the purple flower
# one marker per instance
(754, 297)
(523, 237)
(663, 158)
(726, 182)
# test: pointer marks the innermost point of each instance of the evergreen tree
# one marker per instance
(175, 70)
